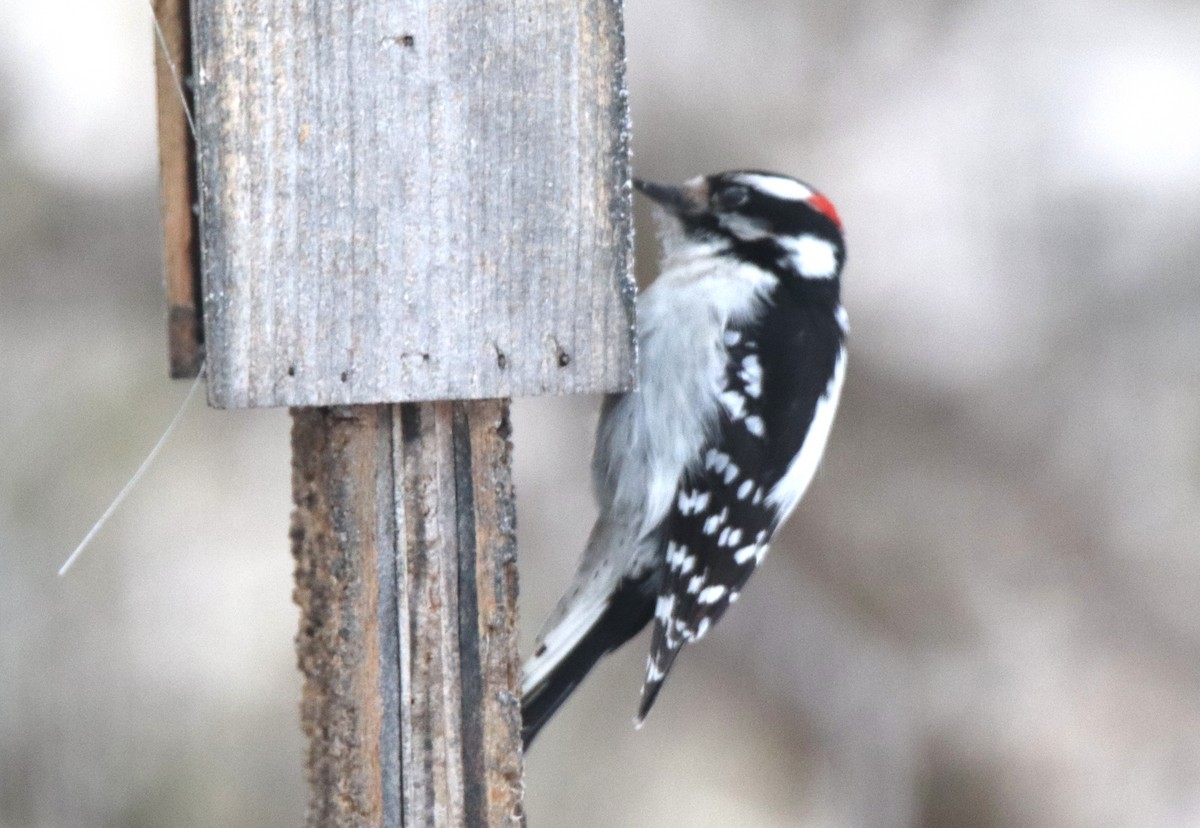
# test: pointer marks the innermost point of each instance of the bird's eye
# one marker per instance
(731, 198)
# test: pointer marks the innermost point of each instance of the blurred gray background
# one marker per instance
(985, 613)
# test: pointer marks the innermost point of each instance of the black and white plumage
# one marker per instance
(742, 357)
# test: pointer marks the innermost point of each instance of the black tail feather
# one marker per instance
(663, 657)
(629, 610)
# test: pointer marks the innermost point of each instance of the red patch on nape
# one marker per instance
(825, 206)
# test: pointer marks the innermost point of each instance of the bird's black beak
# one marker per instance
(689, 198)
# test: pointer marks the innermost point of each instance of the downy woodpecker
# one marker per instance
(741, 360)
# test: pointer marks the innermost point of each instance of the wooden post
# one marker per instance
(404, 536)
(409, 212)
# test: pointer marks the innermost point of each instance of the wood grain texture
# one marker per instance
(177, 167)
(344, 542)
(404, 536)
(492, 620)
(413, 200)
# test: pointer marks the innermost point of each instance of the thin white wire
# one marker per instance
(137, 475)
(162, 42)
(162, 441)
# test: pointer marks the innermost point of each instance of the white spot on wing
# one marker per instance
(691, 503)
(751, 375)
(653, 673)
(843, 319)
(754, 424)
(735, 404)
(744, 490)
(664, 607)
(744, 554)
(731, 472)
(712, 594)
(716, 460)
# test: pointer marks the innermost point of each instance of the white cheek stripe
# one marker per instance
(813, 257)
(787, 492)
(787, 189)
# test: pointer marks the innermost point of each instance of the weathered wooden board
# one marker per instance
(412, 200)
(405, 544)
